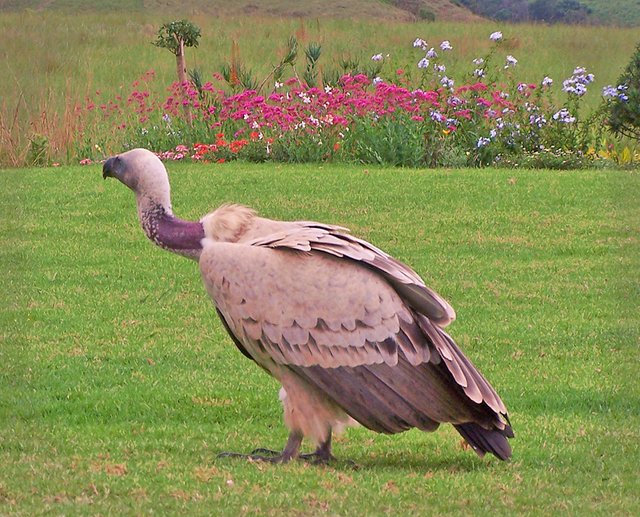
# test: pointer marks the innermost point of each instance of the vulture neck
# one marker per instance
(167, 231)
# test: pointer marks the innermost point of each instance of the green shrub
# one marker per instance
(624, 104)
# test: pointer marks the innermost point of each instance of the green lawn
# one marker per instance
(118, 385)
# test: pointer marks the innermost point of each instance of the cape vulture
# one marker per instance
(351, 333)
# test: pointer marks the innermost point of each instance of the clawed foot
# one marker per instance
(259, 455)
(271, 456)
(321, 456)
(318, 458)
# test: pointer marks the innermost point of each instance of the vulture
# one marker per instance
(352, 334)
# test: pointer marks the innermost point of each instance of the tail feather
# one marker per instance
(484, 440)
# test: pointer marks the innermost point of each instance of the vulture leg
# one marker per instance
(322, 454)
(290, 451)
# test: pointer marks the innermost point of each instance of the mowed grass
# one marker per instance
(118, 385)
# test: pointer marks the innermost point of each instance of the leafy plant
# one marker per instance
(624, 100)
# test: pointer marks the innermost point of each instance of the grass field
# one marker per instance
(118, 386)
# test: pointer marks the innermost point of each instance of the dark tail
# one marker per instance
(484, 440)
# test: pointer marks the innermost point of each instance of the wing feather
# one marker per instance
(348, 329)
(335, 241)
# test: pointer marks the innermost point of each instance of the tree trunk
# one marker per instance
(181, 67)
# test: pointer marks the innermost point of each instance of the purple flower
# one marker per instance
(446, 82)
(445, 45)
(420, 43)
(577, 83)
(437, 116)
(564, 116)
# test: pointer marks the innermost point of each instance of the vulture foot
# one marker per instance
(322, 455)
(290, 451)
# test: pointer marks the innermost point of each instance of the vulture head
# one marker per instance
(144, 173)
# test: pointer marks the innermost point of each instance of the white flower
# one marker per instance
(437, 116)
(613, 92)
(445, 45)
(423, 63)
(446, 82)
(377, 57)
(432, 53)
(511, 61)
(564, 116)
(547, 81)
(478, 61)
(482, 141)
(377, 80)
(420, 43)
(277, 85)
(479, 72)
(537, 120)
(495, 36)
(328, 89)
(439, 68)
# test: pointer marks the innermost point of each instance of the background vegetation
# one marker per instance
(55, 60)
(118, 385)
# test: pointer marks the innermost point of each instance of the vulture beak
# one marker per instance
(111, 167)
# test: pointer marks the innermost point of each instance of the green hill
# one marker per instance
(398, 10)
(620, 12)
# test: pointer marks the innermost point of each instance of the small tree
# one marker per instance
(624, 109)
(175, 36)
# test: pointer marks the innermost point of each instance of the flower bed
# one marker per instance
(410, 116)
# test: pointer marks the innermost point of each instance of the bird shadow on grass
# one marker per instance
(399, 461)
(423, 463)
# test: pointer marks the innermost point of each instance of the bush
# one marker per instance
(624, 100)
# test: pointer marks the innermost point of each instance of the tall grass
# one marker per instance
(53, 60)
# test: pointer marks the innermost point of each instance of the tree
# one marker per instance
(175, 36)
(624, 109)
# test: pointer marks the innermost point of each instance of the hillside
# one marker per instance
(398, 10)
(620, 12)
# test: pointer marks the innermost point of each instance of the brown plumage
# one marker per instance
(352, 334)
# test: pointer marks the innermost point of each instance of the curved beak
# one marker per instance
(110, 168)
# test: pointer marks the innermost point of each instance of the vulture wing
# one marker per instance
(356, 324)
(334, 240)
